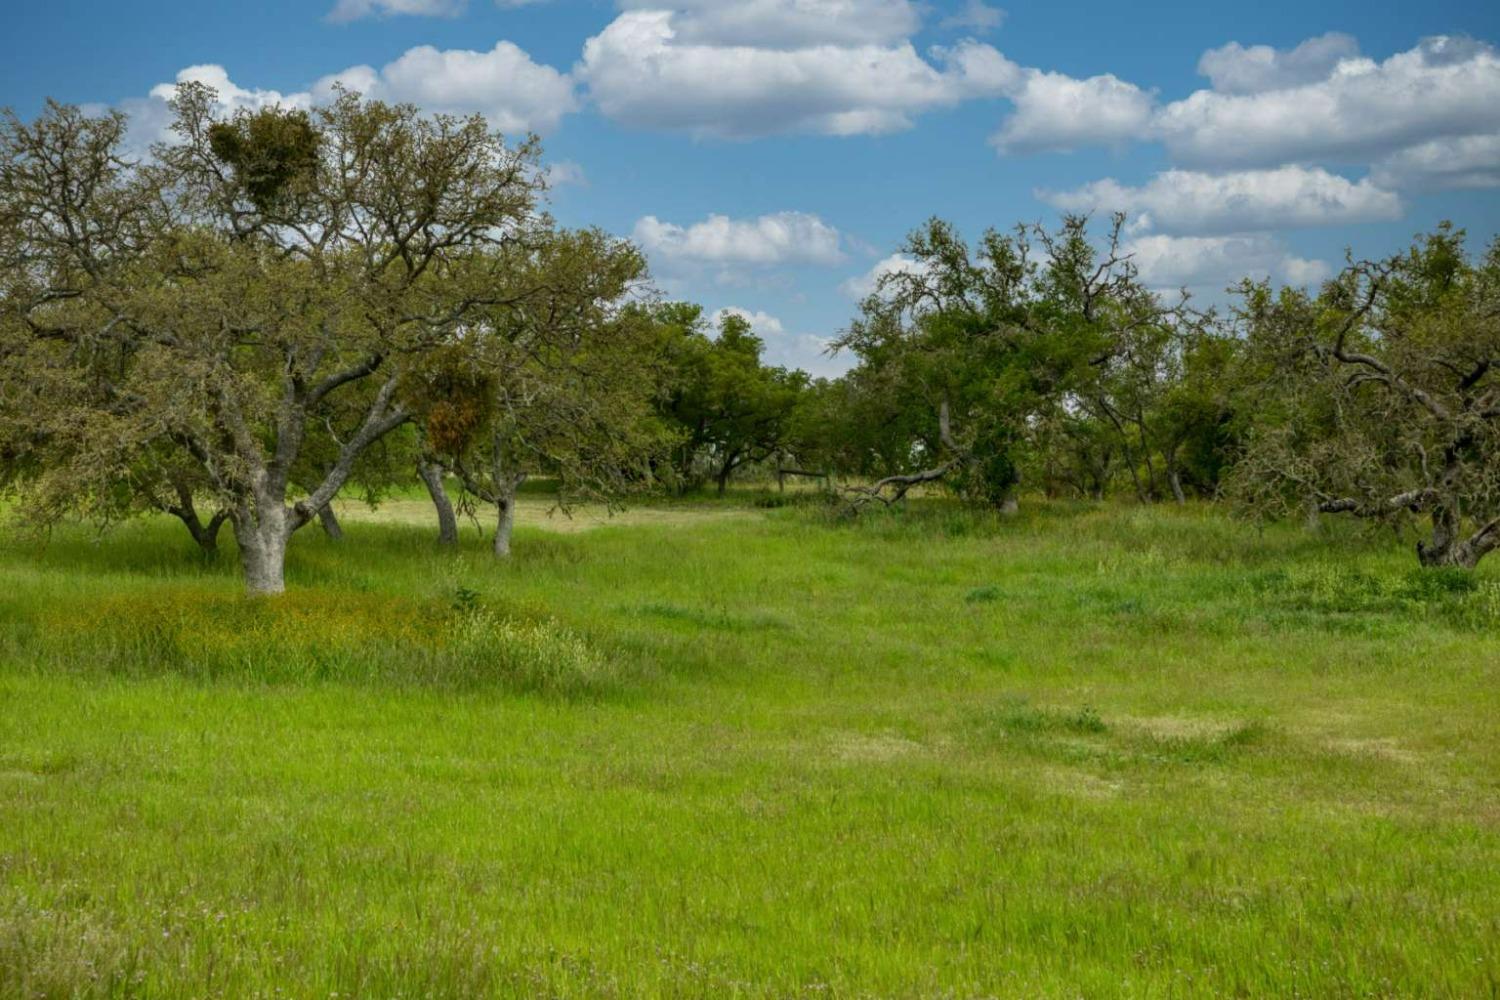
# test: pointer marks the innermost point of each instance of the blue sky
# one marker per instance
(769, 155)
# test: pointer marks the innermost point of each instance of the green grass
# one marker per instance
(1086, 752)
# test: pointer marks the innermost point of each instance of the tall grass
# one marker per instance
(202, 633)
(1093, 750)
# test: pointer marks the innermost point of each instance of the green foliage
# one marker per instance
(1380, 398)
(229, 320)
(557, 376)
(730, 410)
(977, 362)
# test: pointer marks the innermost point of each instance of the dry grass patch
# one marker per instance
(872, 747)
(543, 514)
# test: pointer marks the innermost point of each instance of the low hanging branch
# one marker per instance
(893, 489)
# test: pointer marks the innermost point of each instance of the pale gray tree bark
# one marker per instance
(506, 482)
(263, 521)
(431, 473)
(262, 538)
(498, 486)
(506, 505)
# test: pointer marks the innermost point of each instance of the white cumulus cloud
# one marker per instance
(863, 285)
(151, 118)
(644, 71)
(513, 92)
(787, 24)
(781, 238)
(504, 84)
(1468, 162)
(353, 10)
(975, 15)
(563, 173)
(1239, 69)
(1320, 103)
(1445, 87)
(1058, 112)
(1214, 262)
(1189, 202)
(763, 324)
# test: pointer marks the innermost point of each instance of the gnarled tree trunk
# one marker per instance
(263, 522)
(1446, 544)
(1447, 547)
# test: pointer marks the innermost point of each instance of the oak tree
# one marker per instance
(1382, 398)
(205, 308)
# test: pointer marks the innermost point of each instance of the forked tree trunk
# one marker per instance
(205, 535)
(330, 522)
(1435, 554)
(431, 474)
(1439, 548)
(1174, 476)
(1175, 479)
(1443, 547)
(263, 523)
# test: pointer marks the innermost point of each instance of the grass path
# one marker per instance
(1087, 752)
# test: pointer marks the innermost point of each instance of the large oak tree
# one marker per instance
(970, 349)
(1381, 398)
(194, 317)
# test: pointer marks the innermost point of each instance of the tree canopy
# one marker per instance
(183, 324)
(278, 305)
(1381, 397)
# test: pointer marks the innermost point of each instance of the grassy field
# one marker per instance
(719, 750)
